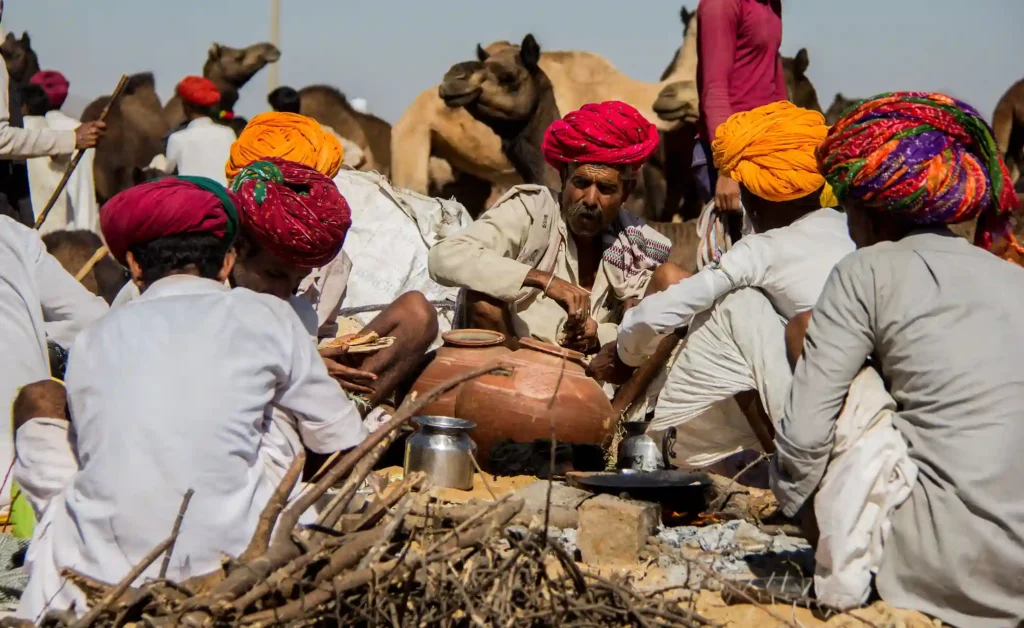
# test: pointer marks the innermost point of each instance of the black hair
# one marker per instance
(35, 100)
(159, 258)
(284, 99)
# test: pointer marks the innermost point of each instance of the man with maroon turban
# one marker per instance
(561, 267)
(203, 146)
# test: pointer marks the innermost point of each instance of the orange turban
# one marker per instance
(289, 136)
(770, 150)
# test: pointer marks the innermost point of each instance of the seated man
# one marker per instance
(169, 394)
(562, 268)
(919, 490)
(737, 309)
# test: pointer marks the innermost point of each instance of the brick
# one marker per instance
(612, 531)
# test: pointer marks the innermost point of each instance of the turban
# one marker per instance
(289, 136)
(293, 211)
(922, 158)
(610, 133)
(53, 84)
(770, 150)
(198, 91)
(167, 207)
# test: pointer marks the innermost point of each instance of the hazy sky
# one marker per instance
(389, 51)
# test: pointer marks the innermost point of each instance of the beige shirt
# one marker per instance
(483, 257)
(18, 143)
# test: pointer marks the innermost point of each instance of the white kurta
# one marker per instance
(167, 393)
(37, 298)
(76, 208)
(201, 149)
(17, 143)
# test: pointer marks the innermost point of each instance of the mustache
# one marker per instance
(585, 210)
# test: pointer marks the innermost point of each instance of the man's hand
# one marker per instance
(607, 367)
(45, 399)
(88, 134)
(348, 377)
(573, 299)
(582, 338)
(727, 195)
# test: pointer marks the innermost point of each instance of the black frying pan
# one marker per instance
(676, 490)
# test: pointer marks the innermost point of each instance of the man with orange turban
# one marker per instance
(737, 308)
(562, 267)
(290, 136)
(203, 145)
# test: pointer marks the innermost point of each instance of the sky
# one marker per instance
(388, 51)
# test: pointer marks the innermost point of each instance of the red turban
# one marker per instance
(166, 207)
(198, 91)
(293, 211)
(53, 84)
(610, 133)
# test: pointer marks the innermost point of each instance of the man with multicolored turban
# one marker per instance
(737, 308)
(561, 267)
(168, 396)
(203, 145)
(912, 466)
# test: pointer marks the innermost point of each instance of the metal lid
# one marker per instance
(473, 338)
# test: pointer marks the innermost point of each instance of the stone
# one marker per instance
(613, 531)
(564, 503)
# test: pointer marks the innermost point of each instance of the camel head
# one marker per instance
(677, 102)
(21, 60)
(799, 89)
(235, 66)
(840, 105)
(499, 85)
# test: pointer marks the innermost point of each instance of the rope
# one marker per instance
(349, 311)
(95, 259)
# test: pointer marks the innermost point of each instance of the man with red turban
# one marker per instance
(561, 267)
(181, 380)
(203, 146)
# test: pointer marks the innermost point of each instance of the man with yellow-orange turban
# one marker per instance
(737, 307)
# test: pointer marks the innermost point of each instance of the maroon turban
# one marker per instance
(167, 207)
(198, 91)
(293, 211)
(54, 85)
(610, 133)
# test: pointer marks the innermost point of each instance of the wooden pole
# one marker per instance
(78, 155)
(275, 38)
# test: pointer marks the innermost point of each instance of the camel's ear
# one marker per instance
(801, 62)
(25, 39)
(10, 37)
(685, 14)
(839, 96)
(214, 51)
(481, 54)
(529, 52)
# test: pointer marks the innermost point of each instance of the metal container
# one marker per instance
(638, 451)
(442, 449)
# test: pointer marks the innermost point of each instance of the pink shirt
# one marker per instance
(739, 66)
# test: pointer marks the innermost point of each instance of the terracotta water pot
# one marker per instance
(519, 406)
(463, 350)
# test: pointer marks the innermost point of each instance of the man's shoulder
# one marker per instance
(527, 198)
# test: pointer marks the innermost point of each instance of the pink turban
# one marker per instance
(610, 133)
(54, 85)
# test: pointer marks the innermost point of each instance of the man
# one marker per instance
(169, 394)
(203, 146)
(739, 68)
(76, 208)
(563, 268)
(919, 490)
(737, 309)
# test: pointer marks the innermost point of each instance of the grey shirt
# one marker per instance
(945, 322)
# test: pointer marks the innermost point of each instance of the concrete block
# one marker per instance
(614, 530)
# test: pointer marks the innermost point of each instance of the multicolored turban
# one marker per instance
(167, 207)
(610, 133)
(198, 91)
(54, 85)
(923, 158)
(770, 150)
(293, 211)
(289, 136)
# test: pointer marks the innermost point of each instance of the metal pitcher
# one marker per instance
(442, 449)
(638, 451)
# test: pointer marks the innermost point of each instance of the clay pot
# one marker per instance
(516, 406)
(463, 350)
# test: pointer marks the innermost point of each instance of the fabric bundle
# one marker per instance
(289, 136)
(923, 158)
(198, 91)
(770, 150)
(610, 133)
(166, 207)
(293, 211)
(54, 85)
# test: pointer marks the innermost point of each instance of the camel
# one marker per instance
(509, 93)
(22, 62)
(1008, 127)
(840, 105)
(230, 68)
(429, 127)
(329, 106)
(73, 249)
